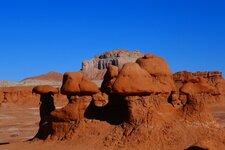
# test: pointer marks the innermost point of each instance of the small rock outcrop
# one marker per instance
(210, 83)
(46, 107)
(75, 83)
(95, 68)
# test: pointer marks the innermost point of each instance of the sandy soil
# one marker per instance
(19, 124)
(219, 113)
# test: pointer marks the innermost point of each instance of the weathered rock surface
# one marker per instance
(45, 89)
(145, 109)
(211, 83)
(24, 96)
(95, 68)
(75, 83)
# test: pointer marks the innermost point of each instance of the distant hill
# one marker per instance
(51, 76)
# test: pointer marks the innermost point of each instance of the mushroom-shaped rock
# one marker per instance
(158, 67)
(154, 65)
(133, 80)
(100, 99)
(75, 83)
(109, 78)
(45, 89)
(46, 107)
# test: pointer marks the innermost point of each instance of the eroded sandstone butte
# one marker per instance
(95, 68)
(138, 106)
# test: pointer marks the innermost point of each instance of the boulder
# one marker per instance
(154, 65)
(75, 83)
(158, 68)
(133, 80)
(109, 78)
(45, 89)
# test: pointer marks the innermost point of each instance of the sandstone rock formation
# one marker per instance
(95, 68)
(143, 108)
(45, 89)
(76, 83)
(210, 83)
(47, 106)
(22, 95)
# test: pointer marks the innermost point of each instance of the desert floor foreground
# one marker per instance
(19, 123)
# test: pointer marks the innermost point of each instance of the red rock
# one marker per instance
(197, 88)
(154, 65)
(109, 79)
(45, 89)
(133, 80)
(73, 111)
(139, 113)
(23, 96)
(75, 83)
(205, 145)
(100, 99)
(158, 68)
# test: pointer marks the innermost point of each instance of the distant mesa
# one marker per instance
(95, 68)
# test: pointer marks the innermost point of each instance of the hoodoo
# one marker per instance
(140, 105)
(47, 106)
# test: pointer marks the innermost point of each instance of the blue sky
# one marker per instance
(39, 36)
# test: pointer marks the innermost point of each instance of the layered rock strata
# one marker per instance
(95, 68)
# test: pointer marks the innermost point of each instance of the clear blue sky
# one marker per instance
(39, 36)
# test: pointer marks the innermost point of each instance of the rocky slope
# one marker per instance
(137, 107)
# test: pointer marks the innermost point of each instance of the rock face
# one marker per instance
(23, 96)
(95, 68)
(139, 107)
(210, 83)
(45, 89)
